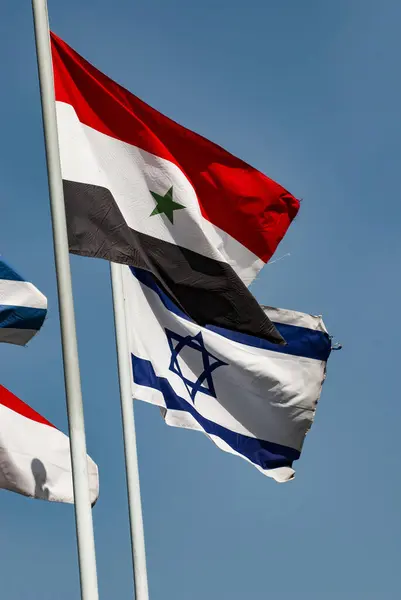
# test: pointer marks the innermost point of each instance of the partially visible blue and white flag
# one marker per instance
(252, 398)
(23, 307)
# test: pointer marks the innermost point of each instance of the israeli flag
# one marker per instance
(23, 307)
(250, 397)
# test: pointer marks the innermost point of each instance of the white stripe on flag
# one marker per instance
(21, 293)
(128, 172)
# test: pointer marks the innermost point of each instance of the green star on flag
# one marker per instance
(165, 205)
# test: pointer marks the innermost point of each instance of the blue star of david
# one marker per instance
(204, 383)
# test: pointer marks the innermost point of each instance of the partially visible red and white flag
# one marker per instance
(35, 456)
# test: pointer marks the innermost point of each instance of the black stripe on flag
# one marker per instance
(207, 290)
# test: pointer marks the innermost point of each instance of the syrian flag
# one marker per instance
(23, 307)
(144, 191)
(35, 456)
(254, 399)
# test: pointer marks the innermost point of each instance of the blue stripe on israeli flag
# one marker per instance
(263, 453)
(301, 341)
(252, 398)
(23, 307)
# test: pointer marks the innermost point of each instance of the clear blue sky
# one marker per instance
(309, 92)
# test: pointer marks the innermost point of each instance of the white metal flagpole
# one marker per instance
(128, 424)
(83, 512)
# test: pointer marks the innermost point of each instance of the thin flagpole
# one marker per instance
(83, 513)
(128, 424)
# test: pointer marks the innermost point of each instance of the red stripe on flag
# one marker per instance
(232, 195)
(10, 401)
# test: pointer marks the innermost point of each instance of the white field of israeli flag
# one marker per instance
(252, 398)
(23, 307)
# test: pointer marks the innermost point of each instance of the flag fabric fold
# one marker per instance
(23, 307)
(35, 456)
(252, 398)
(144, 191)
